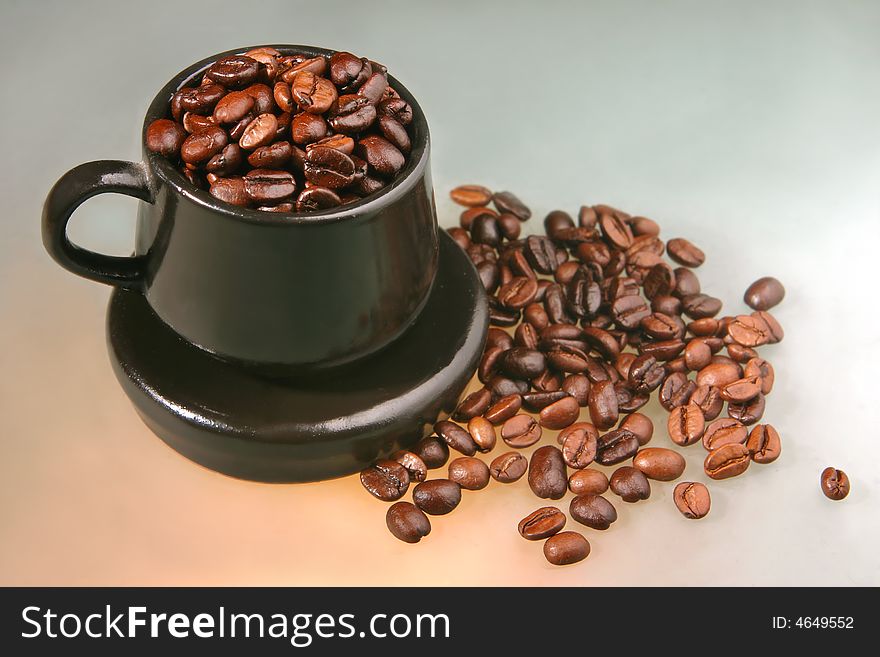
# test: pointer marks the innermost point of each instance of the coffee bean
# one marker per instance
(676, 391)
(727, 461)
(660, 280)
(518, 293)
(547, 475)
(588, 481)
(521, 431)
(560, 414)
(315, 199)
(508, 202)
(763, 444)
(664, 350)
(763, 370)
(616, 231)
(433, 451)
(272, 156)
(349, 72)
(579, 444)
(329, 167)
(498, 338)
(616, 446)
(698, 306)
(685, 253)
(708, 398)
(307, 128)
(540, 253)
(629, 311)
(415, 466)
(508, 467)
(259, 132)
(662, 327)
(536, 401)
(268, 185)
(603, 404)
(352, 114)
(640, 425)
(484, 230)
(594, 511)
(474, 404)
(230, 190)
(749, 331)
(541, 524)
(697, 354)
(659, 463)
(456, 437)
(407, 522)
(705, 327)
(373, 89)
(504, 409)
(578, 386)
(233, 107)
(748, 412)
(501, 386)
(686, 424)
(646, 373)
(741, 390)
(523, 363)
(630, 484)
(482, 432)
(834, 483)
(724, 431)
(471, 195)
(386, 480)
(773, 326)
(719, 374)
(566, 548)
(437, 497)
(397, 109)
(668, 305)
(692, 499)
(200, 147)
(764, 293)
(165, 137)
(468, 472)
(234, 71)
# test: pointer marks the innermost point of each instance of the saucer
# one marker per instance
(314, 426)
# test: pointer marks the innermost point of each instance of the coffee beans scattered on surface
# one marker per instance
(289, 132)
(587, 322)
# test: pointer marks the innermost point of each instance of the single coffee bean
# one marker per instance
(415, 466)
(349, 72)
(748, 412)
(268, 185)
(724, 431)
(315, 199)
(659, 463)
(508, 202)
(406, 522)
(645, 226)
(352, 114)
(547, 475)
(764, 293)
(660, 280)
(664, 350)
(272, 156)
(616, 447)
(616, 231)
(697, 354)
(662, 327)
(194, 123)
(578, 386)
(603, 404)
(588, 481)
(482, 432)
(703, 328)
(579, 445)
(763, 444)
(526, 336)
(773, 326)
(594, 511)
(630, 484)
(202, 146)
(521, 431)
(566, 548)
(541, 524)
(540, 252)
(668, 305)
(504, 409)
(488, 273)
(474, 404)
(471, 195)
(762, 370)
(468, 472)
(629, 311)
(329, 167)
(835, 484)
(437, 497)
(686, 424)
(199, 100)
(165, 137)
(456, 437)
(226, 161)
(559, 414)
(433, 451)
(727, 461)
(708, 398)
(692, 499)
(230, 190)
(386, 480)
(498, 338)
(523, 363)
(719, 374)
(537, 401)
(383, 157)
(501, 386)
(685, 253)
(234, 71)
(259, 132)
(640, 425)
(233, 107)
(307, 128)
(749, 331)
(676, 391)
(373, 89)
(646, 373)
(508, 467)
(698, 306)
(394, 132)
(485, 230)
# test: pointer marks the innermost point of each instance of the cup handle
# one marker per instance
(71, 190)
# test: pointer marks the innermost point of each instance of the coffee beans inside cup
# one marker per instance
(287, 132)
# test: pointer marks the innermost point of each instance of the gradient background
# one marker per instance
(752, 128)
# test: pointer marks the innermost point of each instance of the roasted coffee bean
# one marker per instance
(230, 190)
(195, 122)
(547, 476)
(630, 484)
(482, 432)
(263, 97)
(741, 390)
(676, 391)
(616, 446)
(645, 226)
(697, 306)
(397, 109)
(578, 386)
(685, 253)
(603, 404)
(739, 353)
(437, 497)
(640, 425)
(484, 230)
(471, 195)
(763, 370)
(501, 386)
(659, 463)
(415, 466)
(523, 363)
(268, 185)
(662, 327)
(312, 93)
(509, 226)
(588, 482)
(749, 331)
(518, 293)
(719, 374)
(748, 412)
(686, 424)
(498, 338)
(521, 431)
(555, 305)
(259, 132)
(283, 97)
(433, 451)
(535, 315)
(165, 137)
(557, 221)
(307, 128)
(587, 217)
(566, 548)
(200, 147)
(233, 107)
(594, 511)
(468, 472)
(373, 89)
(616, 231)
(692, 499)
(579, 444)
(536, 401)
(315, 199)
(834, 483)
(664, 350)
(667, 305)
(383, 157)
(474, 404)
(488, 273)
(708, 398)
(526, 336)
(461, 238)
(542, 523)
(352, 114)
(764, 293)
(629, 311)
(541, 254)
(349, 72)
(763, 444)
(198, 100)
(508, 467)
(329, 167)
(697, 354)
(456, 437)
(774, 328)
(407, 522)
(727, 461)
(660, 280)
(272, 156)
(646, 373)
(226, 162)
(724, 431)
(508, 202)
(386, 480)
(234, 71)
(504, 409)
(705, 327)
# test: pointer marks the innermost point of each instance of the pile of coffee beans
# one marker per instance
(285, 133)
(587, 321)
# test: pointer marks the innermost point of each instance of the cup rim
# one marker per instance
(394, 191)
